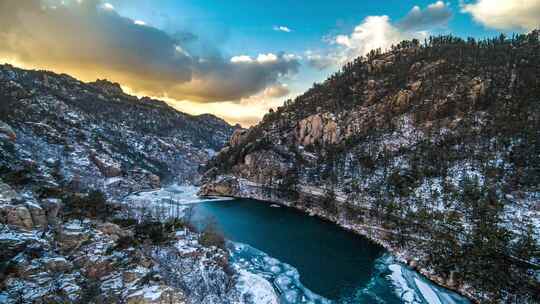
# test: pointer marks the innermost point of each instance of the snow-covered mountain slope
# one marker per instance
(94, 135)
(74, 159)
(432, 150)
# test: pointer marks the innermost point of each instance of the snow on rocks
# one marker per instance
(57, 264)
(16, 216)
(6, 193)
(255, 289)
(6, 132)
(156, 294)
(90, 261)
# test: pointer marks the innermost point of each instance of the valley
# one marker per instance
(409, 176)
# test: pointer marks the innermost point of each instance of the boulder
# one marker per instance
(237, 137)
(261, 166)
(72, 236)
(415, 86)
(402, 100)
(143, 179)
(114, 231)
(22, 267)
(155, 181)
(330, 133)
(223, 151)
(210, 174)
(108, 87)
(39, 216)
(249, 160)
(317, 128)
(106, 166)
(57, 265)
(17, 216)
(416, 67)
(478, 88)
(132, 275)
(222, 186)
(6, 193)
(378, 65)
(309, 130)
(155, 294)
(11, 245)
(97, 269)
(52, 207)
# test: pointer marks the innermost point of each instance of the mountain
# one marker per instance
(430, 149)
(95, 135)
(74, 225)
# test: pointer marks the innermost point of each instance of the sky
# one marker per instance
(236, 58)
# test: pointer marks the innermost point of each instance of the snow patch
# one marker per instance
(283, 277)
(412, 288)
(255, 289)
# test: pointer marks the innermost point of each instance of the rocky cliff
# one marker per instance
(96, 136)
(430, 149)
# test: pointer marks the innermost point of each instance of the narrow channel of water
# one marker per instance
(309, 260)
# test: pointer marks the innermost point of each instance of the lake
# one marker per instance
(309, 260)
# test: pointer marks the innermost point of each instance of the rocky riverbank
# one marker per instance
(229, 186)
(50, 256)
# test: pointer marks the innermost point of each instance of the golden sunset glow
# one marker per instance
(246, 112)
(90, 40)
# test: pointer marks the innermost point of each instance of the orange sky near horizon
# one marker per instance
(246, 112)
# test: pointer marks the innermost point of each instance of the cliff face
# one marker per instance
(94, 136)
(432, 150)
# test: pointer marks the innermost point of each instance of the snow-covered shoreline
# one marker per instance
(286, 283)
(251, 190)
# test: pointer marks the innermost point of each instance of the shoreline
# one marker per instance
(363, 230)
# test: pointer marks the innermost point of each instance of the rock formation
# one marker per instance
(435, 145)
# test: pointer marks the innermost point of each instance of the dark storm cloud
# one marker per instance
(91, 40)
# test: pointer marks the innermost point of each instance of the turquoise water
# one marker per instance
(313, 261)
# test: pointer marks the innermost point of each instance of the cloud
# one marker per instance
(217, 80)
(276, 91)
(241, 59)
(282, 28)
(379, 32)
(375, 32)
(505, 14)
(436, 14)
(320, 61)
(247, 112)
(90, 40)
(266, 58)
(107, 6)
